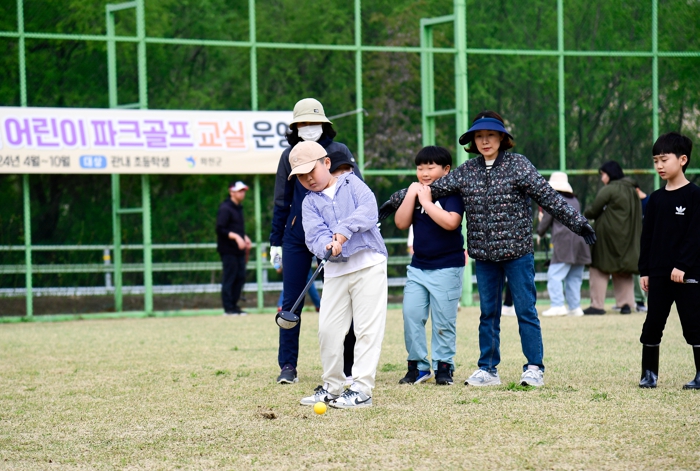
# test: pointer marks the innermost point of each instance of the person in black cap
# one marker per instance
(496, 188)
(342, 163)
(232, 244)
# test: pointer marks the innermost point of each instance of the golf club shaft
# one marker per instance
(301, 297)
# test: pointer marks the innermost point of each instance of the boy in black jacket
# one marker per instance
(669, 261)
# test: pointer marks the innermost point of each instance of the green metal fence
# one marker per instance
(460, 51)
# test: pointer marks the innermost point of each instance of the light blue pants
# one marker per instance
(572, 277)
(434, 292)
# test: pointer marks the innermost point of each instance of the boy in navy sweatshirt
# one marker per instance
(669, 260)
(434, 282)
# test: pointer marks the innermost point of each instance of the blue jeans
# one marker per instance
(297, 263)
(313, 294)
(572, 276)
(490, 277)
(436, 292)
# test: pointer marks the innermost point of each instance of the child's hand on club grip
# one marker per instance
(337, 244)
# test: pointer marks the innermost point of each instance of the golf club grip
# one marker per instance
(300, 299)
(328, 254)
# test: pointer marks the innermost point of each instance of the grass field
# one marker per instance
(199, 393)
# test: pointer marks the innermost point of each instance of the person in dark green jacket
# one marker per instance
(618, 224)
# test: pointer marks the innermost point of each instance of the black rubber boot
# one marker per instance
(650, 366)
(695, 383)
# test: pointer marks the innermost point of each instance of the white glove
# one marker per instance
(276, 257)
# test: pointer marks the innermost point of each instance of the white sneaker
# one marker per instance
(578, 312)
(320, 395)
(483, 378)
(555, 311)
(508, 311)
(532, 378)
(351, 399)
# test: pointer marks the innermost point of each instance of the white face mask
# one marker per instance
(311, 133)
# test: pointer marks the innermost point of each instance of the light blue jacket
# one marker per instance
(352, 212)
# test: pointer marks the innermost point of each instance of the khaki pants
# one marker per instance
(623, 288)
(361, 297)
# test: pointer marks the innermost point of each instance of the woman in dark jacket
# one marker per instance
(618, 224)
(309, 123)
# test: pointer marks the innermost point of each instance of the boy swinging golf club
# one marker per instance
(340, 214)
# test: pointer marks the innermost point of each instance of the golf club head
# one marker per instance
(286, 319)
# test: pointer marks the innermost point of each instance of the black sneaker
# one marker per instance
(625, 309)
(593, 311)
(444, 373)
(288, 375)
(414, 375)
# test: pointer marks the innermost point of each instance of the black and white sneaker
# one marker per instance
(351, 399)
(444, 374)
(320, 394)
(288, 375)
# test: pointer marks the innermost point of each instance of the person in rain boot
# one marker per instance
(669, 261)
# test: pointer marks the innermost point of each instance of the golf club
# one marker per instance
(289, 319)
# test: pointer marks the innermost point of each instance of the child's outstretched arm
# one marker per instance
(448, 220)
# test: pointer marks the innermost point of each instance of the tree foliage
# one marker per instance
(607, 114)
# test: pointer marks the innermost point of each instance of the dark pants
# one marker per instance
(233, 281)
(662, 293)
(297, 262)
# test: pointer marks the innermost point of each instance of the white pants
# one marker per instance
(361, 297)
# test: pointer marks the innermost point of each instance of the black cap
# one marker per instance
(340, 158)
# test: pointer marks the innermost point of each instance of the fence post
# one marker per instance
(358, 87)
(655, 77)
(117, 242)
(258, 242)
(147, 243)
(27, 245)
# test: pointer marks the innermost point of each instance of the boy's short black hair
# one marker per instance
(434, 155)
(613, 170)
(673, 143)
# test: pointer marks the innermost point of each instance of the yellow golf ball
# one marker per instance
(320, 408)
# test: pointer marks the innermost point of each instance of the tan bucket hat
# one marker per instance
(304, 156)
(560, 182)
(309, 110)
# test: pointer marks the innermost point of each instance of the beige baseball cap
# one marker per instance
(309, 110)
(304, 156)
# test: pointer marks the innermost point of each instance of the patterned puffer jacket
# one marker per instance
(497, 204)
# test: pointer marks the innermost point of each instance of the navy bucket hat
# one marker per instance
(483, 124)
